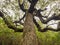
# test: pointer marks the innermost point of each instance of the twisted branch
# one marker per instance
(10, 24)
(53, 17)
(21, 6)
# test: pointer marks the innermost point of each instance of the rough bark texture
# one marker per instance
(29, 33)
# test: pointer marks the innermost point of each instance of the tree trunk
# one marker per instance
(29, 32)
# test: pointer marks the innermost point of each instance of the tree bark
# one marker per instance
(29, 32)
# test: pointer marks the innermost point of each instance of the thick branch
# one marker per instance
(53, 17)
(1, 14)
(33, 3)
(37, 25)
(21, 6)
(46, 28)
(19, 21)
(51, 29)
(10, 24)
(39, 15)
(23, 17)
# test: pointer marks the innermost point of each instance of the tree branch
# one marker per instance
(33, 3)
(51, 29)
(10, 24)
(21, 6)
(46, 28)
(53, 17)
(37, 25)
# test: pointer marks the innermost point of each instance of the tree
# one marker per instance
(29, 32)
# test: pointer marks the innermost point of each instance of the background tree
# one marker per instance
(29, 34)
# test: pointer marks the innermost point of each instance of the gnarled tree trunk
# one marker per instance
(29, 33)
